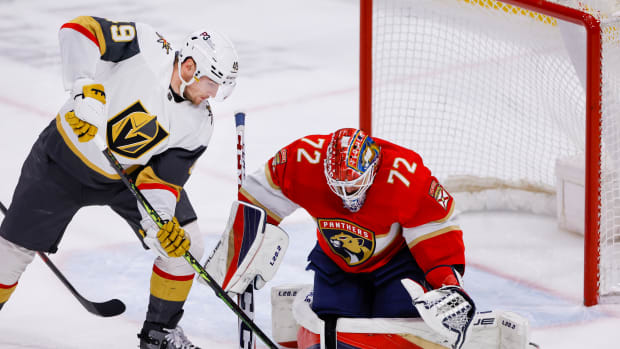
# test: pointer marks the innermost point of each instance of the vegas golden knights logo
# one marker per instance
(134, 131)
(354, 244)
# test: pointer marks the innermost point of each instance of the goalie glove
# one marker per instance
(249, 251)
(448, 310)
(88, 114)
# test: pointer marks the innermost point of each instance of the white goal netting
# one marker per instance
(492, 95)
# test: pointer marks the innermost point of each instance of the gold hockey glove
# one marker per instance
(82, 129)
(172, 239)
(88, 114)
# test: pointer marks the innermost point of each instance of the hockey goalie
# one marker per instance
(389, 255)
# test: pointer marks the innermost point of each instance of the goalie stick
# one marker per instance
(219, 292)
(246, 299)
(112, 307)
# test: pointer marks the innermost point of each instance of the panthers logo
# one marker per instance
(354, 244)
(352, 247)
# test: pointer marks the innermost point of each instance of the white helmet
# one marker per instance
(215, 58)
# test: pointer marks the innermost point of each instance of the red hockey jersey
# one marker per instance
(404, 205)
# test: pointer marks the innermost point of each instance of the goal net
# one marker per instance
(493, 93)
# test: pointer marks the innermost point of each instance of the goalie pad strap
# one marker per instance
(330, 334)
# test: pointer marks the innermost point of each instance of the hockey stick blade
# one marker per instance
(113, 307)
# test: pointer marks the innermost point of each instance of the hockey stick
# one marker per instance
(246, 299)
(240, 127)
(219, 292)
(109, 308)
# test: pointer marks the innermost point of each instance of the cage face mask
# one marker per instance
(350, 166)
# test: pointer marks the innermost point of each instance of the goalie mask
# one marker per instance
(350, 166)
(215, 58)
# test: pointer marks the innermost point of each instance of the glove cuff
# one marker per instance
(149, 225)
(89, 88)
(78, 85)
(443, 275)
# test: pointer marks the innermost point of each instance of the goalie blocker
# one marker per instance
(250, 250)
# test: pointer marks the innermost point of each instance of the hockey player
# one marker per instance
(149, 104)
(381, 217)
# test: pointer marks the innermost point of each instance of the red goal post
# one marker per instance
(405, 73)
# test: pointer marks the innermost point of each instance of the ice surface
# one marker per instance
(298, 63)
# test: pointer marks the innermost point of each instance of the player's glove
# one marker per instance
(88, 114)
(448, 310)
(169, 241)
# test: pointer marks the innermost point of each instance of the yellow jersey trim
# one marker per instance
(77, 153)
(432, 235)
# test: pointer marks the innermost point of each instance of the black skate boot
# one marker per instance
(164, 336)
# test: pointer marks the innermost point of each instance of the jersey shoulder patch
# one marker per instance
(441, 195)
(165, 44)
(280, 157)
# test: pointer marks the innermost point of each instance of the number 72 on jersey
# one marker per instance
(315, 158)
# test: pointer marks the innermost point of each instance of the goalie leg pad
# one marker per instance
(284, 327)
(249, 250)
(514, 331)
(496, 329)
(489, 329)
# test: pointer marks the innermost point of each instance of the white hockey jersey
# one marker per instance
(135, 64)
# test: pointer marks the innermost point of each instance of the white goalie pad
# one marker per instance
(283, 325)
(291, 309)
(249, 251)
